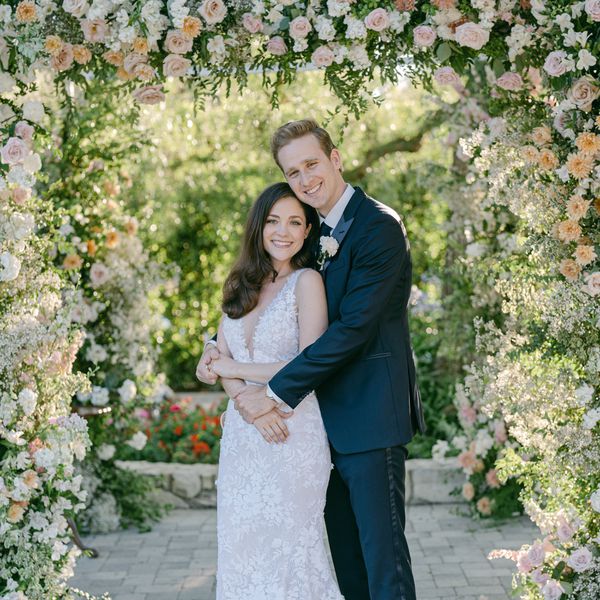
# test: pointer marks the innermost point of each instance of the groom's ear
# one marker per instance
(336, 158)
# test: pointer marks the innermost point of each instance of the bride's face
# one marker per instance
(285, 230)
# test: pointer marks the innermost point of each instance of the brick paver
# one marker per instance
(177, 559)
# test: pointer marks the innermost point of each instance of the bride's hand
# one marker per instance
(224, 366)
(272, 427)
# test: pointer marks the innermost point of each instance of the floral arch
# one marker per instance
(531, 159)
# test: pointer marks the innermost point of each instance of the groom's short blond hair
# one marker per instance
(297, 129)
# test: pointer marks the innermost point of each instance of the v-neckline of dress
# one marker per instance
(249, 343)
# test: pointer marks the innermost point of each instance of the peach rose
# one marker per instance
(570, 269)
(72, 261)
(592, 281)
(405, 5)
(144, 72)
(113, 58)
(276, 46)
(584, 255)
(131, 226)
(192, 26)
(26, 12)
(542, 135)
(547, 159)
(491, 478)
(177, 42)
(91, 247)
(31, 479)
(467, 460)
(251, 23)
(300, 28)
(510, 81)
(150, 94)
(322, 57)
(468, 491)
(64, 59)
(484, 506)
(588, 142)
(213, 11)
(20, 195)
(81, 54)
(424, 36)
(112, 239)
(140, 45)
(577, 207)
(447, 76)
(175, 65)
(53, 45)
(444, 4)
(472, 35)
(131, 61)
(124, 75)
(94, 30)
(377, 20)
(24, 131)
(568, 231)
(15, 512)
(583, 92)
(14, 151)
(531, 154)
(579, 165)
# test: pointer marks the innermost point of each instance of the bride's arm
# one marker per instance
(312, 322)
(231, 385)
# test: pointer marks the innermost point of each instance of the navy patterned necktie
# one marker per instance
(325, 230)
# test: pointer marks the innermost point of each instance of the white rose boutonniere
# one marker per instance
(328, 247)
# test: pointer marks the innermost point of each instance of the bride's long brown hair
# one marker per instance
(253, 266)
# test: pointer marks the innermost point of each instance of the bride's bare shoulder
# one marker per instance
(309, 282)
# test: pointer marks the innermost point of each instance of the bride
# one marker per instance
(273, 474)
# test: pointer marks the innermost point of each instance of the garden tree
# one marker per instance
(537, 159)
(95, 138)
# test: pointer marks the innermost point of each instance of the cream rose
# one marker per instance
(592, 8)
(175, 65)
(447, 76)
(556, 63)
(583, 92)
(323, 56)
(251, 23)
(177, 42)
(131, 61)
(276, 46)
(14, 151)
(510, 81)
(63, 59)
(424, 36)
(300, 28)
(472, 35)
(33, 110)
(541, 135)
(95, 30)
(24, 131)
(150, 94)
(77, 8)
(592, 281)
(213, 11)
(377, 20)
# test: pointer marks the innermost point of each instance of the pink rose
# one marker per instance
(447, 76)
(552, 590)
(21, 195)
(510, 81)
(468, 491)
(99, 274)
(564, 531)
(467, 461)
(592, 8)
(500, 434)
(299, 28)
(177, 42)
(175, 65)
(583, 92)
(536, 554)
(472, 35)
(539, 577)
(150, 94)
(131, 61)
(580, 560)
(14, 151)
(64, 59)
(322, 57)
(491, 478)
(251, 23)
(468, 414)
(377, 20)
(424, 36)
(523, 563)
(276, 46)
(24, 131)
(213, 11)
(555, 64)
(94, 31)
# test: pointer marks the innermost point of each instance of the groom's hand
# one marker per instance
(204, 371)
(253, 402)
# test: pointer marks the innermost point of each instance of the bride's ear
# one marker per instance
(307, 232)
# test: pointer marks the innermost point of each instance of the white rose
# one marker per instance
(138, 441)
(424, 36)
(32, 163)
(595, 500)
(106, 451)
(7, 83)
(14, 151)
(472, 35)
(300, 28)
(377, 20)
(447, 76)
(33, 111)
(10, 266)
(27, 399)
(127, 391)
(99, 274)
(77, 8)
(213, 11)
(592, 8)
(322, 57)
(580, 560)
(329, 245)
(99, 396)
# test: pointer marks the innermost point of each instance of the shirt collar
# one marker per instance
(335, 214)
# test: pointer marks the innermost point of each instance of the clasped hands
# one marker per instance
(251, 401)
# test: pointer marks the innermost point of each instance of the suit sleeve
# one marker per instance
(377, 268)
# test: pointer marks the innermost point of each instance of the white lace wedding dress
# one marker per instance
(271, 497)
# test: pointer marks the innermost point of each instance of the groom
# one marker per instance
(361, 368)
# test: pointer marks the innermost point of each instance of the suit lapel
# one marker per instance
(343, 226)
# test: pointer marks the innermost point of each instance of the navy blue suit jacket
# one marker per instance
(362, 367)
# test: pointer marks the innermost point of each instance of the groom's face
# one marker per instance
(315, 177)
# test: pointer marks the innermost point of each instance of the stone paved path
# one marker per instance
(176, 560)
